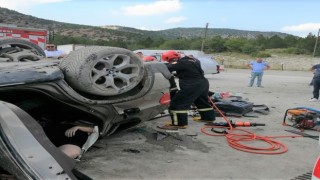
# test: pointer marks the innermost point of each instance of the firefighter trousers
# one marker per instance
(191, 92)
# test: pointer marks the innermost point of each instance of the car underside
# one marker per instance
(107, 87)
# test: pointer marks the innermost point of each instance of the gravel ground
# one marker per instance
(145, 153)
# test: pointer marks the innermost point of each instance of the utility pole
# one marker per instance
(51, 35)
(315, 45)
(205, 36)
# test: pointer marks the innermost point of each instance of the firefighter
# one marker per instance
(194, 88)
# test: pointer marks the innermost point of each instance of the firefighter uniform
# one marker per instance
(173, 86)
(194, 88)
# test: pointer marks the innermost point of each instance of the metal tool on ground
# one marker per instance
(235, 124)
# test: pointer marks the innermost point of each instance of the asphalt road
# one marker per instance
(144, 153)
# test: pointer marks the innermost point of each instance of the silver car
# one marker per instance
(106, 86)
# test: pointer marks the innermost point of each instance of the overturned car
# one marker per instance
(108, 87)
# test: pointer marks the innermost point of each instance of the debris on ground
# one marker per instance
(131, 151)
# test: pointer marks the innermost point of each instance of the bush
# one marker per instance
(175, 44)
(249, 49)
(234, 44)
(293, 50)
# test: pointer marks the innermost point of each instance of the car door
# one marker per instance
(26, 152)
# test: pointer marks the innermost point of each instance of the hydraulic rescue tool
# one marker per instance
(235, 124)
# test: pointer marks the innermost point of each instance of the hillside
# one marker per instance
(118, 32)
(223, 32)
(21, 20)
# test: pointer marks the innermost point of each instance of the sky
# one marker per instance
(296, 17)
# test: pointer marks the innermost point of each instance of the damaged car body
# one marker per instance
(108, 87)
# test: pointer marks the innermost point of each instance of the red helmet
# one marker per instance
(149, 58)
(168, 55)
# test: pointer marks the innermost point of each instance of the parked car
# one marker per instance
(208, 63)
(106, 86)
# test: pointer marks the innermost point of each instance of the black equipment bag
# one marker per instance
(235, 106)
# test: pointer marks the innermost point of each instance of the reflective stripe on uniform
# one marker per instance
(205, 109)
(175, 88)
(179, 111)
(175, 117)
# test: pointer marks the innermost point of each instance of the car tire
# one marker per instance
(21, 43)
(104, 71)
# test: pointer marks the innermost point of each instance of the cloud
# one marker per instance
(308, 27)
(175, 19)
(302, 30)
(23, 4)
(156, 8)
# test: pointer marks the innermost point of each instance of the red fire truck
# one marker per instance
(36, 36)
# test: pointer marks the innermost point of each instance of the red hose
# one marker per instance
(240, 140)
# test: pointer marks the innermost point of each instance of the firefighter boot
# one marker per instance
(207, 115)
(179, 120)
(179, 117)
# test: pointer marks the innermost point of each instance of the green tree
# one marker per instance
(146, 42)
(196, 44)
(249, 48)
(157, 42)
(261, 41)
(291, 41)
(235, 44)
(216, 44)
(275, 42)
(307, 43)
(177, 44)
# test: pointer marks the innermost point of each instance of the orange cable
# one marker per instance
(238, 140)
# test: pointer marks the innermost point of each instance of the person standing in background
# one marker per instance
(257, 68)
(52, 52)
(315, 82)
